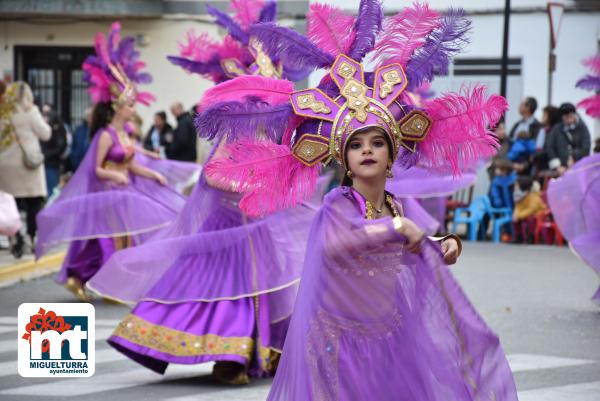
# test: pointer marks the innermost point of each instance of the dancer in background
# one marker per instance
(113, 199)
(216, 285)
(375, 296)
(574, 197)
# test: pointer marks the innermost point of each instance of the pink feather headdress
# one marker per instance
(450, 133)
(591, 82)
(115, 71)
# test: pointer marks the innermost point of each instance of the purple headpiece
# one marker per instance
(591, 82)
(115, 71)
(239, 54)
(450, 133)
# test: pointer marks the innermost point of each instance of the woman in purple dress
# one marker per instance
(216, 285)
(378, 316)
(113, 199)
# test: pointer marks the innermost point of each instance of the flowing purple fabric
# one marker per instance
(574, 200)
(178, 174)
(432, 190)
(90, 208)
(375, 323)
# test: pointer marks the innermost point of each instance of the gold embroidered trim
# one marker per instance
(391, 79)
(356, 98)
(179, 343)
(309, 101)
(346, 70)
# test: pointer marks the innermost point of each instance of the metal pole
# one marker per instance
(551, 68)
(504, 69)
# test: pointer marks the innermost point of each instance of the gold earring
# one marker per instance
(388, 173)
(350, 174)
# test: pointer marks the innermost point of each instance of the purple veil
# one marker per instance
(89, 208)
(574, 200)
(373, 322)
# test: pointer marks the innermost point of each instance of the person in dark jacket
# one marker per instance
(568, 141)
(155, 139)
(54, 149)
(528, 121)
(181, 144)
(81, 141)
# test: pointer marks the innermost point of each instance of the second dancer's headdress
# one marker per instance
(591, 82)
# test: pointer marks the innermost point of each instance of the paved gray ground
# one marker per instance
(536, 298)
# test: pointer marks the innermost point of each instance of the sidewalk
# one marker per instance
(14, 270)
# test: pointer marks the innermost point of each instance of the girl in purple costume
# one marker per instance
(215, 285)
(378, 316)
(113, 199)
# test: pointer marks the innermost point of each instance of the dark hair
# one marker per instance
(347, 181)
(162, 115)
(597, 146)
(554, 115)
(531, 104)
(102, 115)
(525, 182)
(567, 108)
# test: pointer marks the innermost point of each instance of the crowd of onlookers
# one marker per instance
(38, 150)
(530, 154)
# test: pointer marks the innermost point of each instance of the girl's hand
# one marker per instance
(414, 235)
(121, 179)
(160, 178)
(450, 251)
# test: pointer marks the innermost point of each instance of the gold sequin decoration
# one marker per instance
(178, 343)
(309, 101)
(346, 70)
(232, 68)
(264, 63)
(391, 79)
(356, 98)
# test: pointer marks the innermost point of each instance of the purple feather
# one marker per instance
(433, 58)
(224, 20)
(293, 49)
(269, 12)
(244, 120)
(211, 67)
(367, 26)
(143, 78)
(589, 82)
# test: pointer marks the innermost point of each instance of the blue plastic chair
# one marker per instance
(499, 216)
(471, 216)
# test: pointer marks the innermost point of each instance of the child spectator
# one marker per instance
(521, 152)
(528, 203)
(502, 185)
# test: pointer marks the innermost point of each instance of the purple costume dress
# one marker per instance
(373, 322)
(98, 217)
(574, 200)
(213, 286)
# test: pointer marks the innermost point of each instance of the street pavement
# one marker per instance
(535, 297)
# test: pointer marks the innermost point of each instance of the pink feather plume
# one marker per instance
(460, 136)
(271, 90)
(591, 105)
(404, 33)
(273, 178)
(593, 63)
(247, 12)
(330, 28)
(197, 47)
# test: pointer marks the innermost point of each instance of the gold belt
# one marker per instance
(122, 167)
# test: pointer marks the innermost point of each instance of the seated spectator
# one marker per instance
(528, 121)
(502, 185)
(528, 203)
(521, 152)
(569, 140)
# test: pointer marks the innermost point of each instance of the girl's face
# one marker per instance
(368, 154)
(127, 110)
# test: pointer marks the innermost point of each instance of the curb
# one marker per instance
(19, 271)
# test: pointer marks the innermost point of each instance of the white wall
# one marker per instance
(170, 83)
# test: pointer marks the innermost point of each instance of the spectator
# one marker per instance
(528, 203)
(155, 138)
(550, 117)
(181, 144)
(568, 141)
(597, 146)
(502, 185)
(504, 147)
(521, 152)
(54, 148)
(21, 158)
(81, 141)
(528, 121)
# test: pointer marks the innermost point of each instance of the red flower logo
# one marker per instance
(44, 321)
